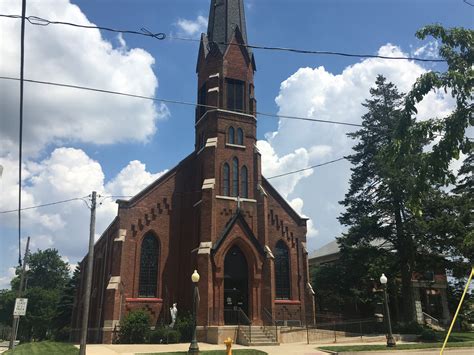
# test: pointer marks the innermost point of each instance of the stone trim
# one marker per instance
(208, 184)
(216, 75)
(122, 233)
(214, 89)
(268, 252)
(143, 300)
(235, 198)
(205, 248)
(262, 190)
(211, 142)
(114, 283)
(291, 302)
(235, 145)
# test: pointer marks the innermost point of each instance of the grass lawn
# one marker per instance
(215, 352)
(44, 348)
(456, 340)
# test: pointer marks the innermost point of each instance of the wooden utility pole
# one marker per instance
(16, 319)
(87, 295)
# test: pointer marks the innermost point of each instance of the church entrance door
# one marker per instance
(235, 285)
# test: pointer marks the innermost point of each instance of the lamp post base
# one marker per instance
(390, 341)
(193, 348)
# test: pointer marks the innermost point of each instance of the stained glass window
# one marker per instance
(244, 191)
(240, 136)
(230, 136)
(282, 271)
(235, 177)
(148, 267)
(226, 180)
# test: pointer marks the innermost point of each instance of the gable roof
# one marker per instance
(238, 217)
(283, 202)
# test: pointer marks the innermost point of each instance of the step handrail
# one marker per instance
(273, 322)
(433, 319)
(241, 314)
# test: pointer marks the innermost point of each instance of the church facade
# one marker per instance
(213, 212)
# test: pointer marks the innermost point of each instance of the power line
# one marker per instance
(187, 103)
(44, 205)
(308, 168)
(130, 196)
(35, 20)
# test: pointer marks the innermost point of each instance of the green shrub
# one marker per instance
(164, 335)
(411, 328)
(62, 334)
(185, 326)
(134, 328)
(428, 335)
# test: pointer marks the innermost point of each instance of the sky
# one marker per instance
(76, 141)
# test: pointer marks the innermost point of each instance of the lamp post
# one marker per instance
(390, 340)
(194, 347)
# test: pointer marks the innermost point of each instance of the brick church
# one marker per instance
(213, 212)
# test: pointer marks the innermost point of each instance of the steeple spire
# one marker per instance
(225, 18)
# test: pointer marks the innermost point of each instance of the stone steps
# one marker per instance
(258, 337)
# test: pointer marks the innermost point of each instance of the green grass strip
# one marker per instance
(44, 348)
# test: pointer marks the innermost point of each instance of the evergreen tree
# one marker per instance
(377, 204)
(62, 320)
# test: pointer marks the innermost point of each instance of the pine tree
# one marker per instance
(381, 186)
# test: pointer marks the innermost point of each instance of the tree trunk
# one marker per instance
(404, 248)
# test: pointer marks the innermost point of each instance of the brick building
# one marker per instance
(213, 212)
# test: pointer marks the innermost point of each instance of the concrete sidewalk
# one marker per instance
(283, 349)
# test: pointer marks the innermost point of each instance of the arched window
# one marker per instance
(244, 190)
(235, 177)
(240, 136)
(231, 138)
(147, 285)
(226, 180)
(282, 271)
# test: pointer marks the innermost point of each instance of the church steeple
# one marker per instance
(226, 20)
(225, 16)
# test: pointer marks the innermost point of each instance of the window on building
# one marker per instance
(240, 136)
(235, 95)
(282, 271)
(226, 180)
(235, 177)
(202, 100)
(148, 267)
(244, 190)
(231, 135)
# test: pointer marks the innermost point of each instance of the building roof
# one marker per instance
(224, 17)
(327, 249)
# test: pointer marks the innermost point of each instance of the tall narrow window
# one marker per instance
(231, 135)
(240, 136)
(235, 177)
(244, 190)
(147, 285)
(235, 95)
(226, 180)
(202, 100)
(282, 271)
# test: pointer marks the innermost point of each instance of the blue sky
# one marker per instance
(118, 145)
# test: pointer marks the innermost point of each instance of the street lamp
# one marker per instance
(390, 339)
(194, 347)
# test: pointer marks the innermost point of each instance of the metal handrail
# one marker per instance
(431, 318)
(241, 314)
(273, 323)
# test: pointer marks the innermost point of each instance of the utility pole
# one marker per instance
(16, 319)
(87, 296)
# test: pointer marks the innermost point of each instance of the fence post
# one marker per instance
(335, 333)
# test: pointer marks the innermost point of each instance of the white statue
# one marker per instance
(174, 314)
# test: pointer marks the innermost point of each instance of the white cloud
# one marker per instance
(55, 115)
(192, 28)
(67, 173)
(318, 93)
(6, 278)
